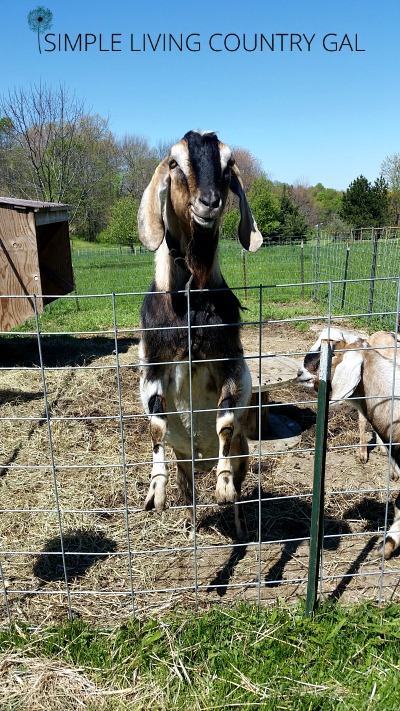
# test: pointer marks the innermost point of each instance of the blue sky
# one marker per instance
(310, 116)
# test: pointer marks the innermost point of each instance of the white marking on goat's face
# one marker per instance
(199, 167)
(308, 372)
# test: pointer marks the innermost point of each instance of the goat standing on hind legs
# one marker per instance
(196, 393)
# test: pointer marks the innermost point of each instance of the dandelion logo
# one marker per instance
(40, 20)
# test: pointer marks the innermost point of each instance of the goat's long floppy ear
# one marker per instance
(347, 375)
(150, 219)
(249, 235)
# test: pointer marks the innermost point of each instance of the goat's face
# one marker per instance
(200, 174)
(346, 369)
(308, 372)
(196, 177)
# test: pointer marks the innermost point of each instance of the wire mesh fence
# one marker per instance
(76, 456)
(359, 268)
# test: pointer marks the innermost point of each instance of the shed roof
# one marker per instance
(34, 205)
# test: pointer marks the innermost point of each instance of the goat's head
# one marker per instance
(346, 369)
(196, 177)
(308, 372)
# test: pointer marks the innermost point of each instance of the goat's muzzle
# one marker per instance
(206, 210)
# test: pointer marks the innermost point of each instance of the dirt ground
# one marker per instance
(74, 538)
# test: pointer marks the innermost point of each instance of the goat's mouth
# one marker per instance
(206, 223)
(204, 217)
(305, 379)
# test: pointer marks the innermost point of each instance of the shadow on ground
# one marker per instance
(287, 522)
(58, 350)
(81, 550)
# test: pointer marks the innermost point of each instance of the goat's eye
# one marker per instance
(172, 164)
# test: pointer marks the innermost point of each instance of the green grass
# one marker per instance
(104, 272)
(343, 659)
(280, 277)
(361, 297)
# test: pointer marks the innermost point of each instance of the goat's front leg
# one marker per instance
(153, 398)
(235, 394)
(363, 450)
(392, 540)
(225, 489)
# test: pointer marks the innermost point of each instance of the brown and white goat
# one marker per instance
(385, 344)
(195, 383)
(372, 382)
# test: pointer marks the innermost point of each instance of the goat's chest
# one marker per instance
(192, 406)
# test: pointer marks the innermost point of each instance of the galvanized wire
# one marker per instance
(329, 290)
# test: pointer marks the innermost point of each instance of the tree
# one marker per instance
(365, 205)
(230, 225)
(122, 227)
(137, 164)
(329, 203)
(96, 181)
(250, 168)
(302, 196)
(59, 153)
(264, 205)
(390, 170)
(380, 201)
(43, 123)
(292, 222)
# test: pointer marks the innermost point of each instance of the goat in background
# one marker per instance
(385, 344)
(195, 384)
(372, 382)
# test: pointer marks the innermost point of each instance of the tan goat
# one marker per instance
(383, 341)
(372, 382)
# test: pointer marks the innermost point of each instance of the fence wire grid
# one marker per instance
(76, 457)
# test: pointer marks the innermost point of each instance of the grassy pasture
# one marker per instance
(344, 659)
(100, 273)
(280, 277)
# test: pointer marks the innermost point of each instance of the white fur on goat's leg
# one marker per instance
(363, 449)
(225, 489)
(156, 494)
(392, 540)
(382, 447)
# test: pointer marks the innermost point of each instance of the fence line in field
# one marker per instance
(369, 255)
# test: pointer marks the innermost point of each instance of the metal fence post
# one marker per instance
(317, 513)
(346, 268)
(373, 271)
(302, 266)
(317, 258)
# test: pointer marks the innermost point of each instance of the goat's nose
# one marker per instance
(210, 198)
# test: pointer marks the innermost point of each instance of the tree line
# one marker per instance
(53, 149)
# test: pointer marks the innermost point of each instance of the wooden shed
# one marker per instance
(35, 257)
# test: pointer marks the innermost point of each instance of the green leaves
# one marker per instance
(364, 204)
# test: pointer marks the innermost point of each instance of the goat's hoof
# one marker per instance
(155, 498)
(363, 458)
(149, 503)
(225, 492)
(388, 547)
